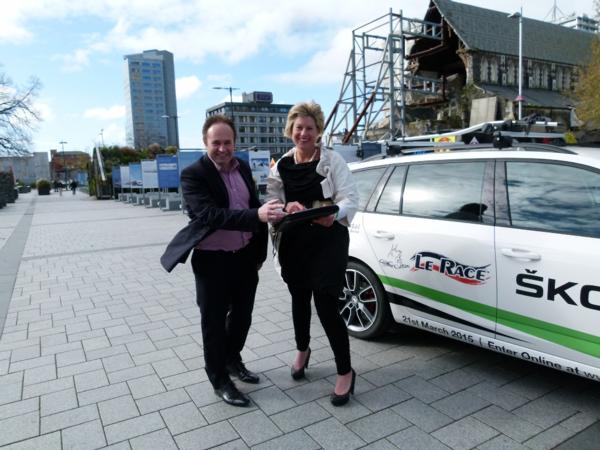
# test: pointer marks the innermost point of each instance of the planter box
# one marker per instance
(44, 191)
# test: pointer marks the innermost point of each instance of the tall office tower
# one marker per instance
(150, 99)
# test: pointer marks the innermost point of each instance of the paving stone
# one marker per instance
(509, 424)
(145, 386)
(157, 440)
(141, 347)
(254, 427)
(578, 422)
(349, 413)
(117, 362)
(415, 438)
(297, 440)
(75, 369)
(379, 425)
(464, 433)
(107, 352)
(10, 392)
(422, 415)
(300, 417)
(69, 418)
(549, 439)
(422, 389)
(18, 408)
(20, 427)
(498, 395)
(309, 391)
(460, 404)
(59, 348)
(95, 343)
(58, 401)
(163, 400)
(117, 409)
(531, 386)
(184, 379)
(331, 434)
(39, 374)
(86, 436)
(456, 380)
(31, 363)
(36, 390)
(169, 367)
(272, 400)
(71, 357)
(182, 418)
(49, 441)
(206, 437)
(130, 374)
(382, 397)
(545, 412)
(131, 428)
(90, 380)
(501, 443)
(103, 393)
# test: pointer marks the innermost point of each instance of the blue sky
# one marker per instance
(296, 50)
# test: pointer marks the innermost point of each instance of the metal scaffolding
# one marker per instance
(377, 79)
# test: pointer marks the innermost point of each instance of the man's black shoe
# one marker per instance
(239, 370)
(231, 395)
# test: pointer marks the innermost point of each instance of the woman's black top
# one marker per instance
(310, 255)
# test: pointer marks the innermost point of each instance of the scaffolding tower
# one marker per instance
(377, 80)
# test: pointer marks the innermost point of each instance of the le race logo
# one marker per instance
(463, 273)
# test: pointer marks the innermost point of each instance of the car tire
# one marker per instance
(363, 304)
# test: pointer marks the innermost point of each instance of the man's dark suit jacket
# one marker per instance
(207, 202)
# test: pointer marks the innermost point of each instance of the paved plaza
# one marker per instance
(101, 348)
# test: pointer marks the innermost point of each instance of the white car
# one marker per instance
(498, 248)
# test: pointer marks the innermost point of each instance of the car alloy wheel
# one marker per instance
(363, 304)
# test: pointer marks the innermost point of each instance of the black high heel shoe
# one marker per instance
(299, 374)
(339, 400)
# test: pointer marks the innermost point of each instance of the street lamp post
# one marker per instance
(62, 143)
(230, 89)
(519, 15)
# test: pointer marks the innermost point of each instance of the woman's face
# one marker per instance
(305, 133)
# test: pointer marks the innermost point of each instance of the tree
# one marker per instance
(18, 117)
(587, 90)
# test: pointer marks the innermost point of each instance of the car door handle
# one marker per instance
(379, 234)
(521, 254)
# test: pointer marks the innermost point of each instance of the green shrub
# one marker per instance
(43, 184)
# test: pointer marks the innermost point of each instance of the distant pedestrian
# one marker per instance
(73, 186)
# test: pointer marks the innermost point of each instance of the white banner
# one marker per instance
(149, 174)
(125, 182)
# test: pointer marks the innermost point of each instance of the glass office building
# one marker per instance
(150, 99)
(260, 123)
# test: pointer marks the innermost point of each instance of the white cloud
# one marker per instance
(75, 61)
(113, 134)
(112, 112)
(187, 86)
(44, 109)
(325, 66)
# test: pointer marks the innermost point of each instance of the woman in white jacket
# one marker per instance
(313, 255)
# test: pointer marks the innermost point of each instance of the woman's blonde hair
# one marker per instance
(305, 109)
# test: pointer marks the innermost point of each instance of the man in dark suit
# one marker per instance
(228, 233)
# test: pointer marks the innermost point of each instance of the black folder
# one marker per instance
(302, 216)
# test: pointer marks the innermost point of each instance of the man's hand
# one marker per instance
(272, 211)
(325, 221)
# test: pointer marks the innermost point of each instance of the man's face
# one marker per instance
(220, 144)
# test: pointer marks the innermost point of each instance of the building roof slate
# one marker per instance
(493, 31)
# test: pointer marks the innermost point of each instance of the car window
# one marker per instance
(554, 197)
(445, 190)
(389, 201)
(366, 181)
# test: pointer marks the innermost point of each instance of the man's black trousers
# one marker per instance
(225, 289)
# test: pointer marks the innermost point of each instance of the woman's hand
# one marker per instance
(293, 207)
(325, 221)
